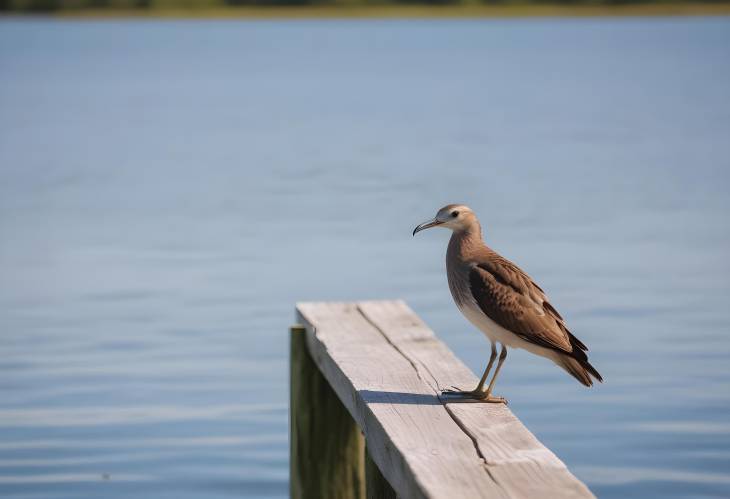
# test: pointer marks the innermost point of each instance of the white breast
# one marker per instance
(491, 329)
(497, 333)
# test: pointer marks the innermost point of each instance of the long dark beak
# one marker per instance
(426, 225)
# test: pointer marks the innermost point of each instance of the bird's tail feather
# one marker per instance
(582, 370)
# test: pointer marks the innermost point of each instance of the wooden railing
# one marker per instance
(367, 417)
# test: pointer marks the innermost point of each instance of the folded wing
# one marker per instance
(509, 297)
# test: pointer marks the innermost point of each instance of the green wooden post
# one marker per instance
(376, 486)
(327, 450)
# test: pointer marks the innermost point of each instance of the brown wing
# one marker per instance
(511, 299)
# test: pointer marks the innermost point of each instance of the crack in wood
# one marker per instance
(437, 393)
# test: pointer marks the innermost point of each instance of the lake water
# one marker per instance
(169, 190)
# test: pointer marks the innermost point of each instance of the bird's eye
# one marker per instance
(454, 214)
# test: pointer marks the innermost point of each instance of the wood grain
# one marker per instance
(515, 458)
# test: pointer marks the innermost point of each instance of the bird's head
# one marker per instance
(456, 217)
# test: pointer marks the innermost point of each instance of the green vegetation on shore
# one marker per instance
(364, 8)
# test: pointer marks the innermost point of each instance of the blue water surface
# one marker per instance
(169, 190)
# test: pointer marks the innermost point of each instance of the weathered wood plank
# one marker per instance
(387, 367)
(414, 441)
(516, 460)
(326, 446)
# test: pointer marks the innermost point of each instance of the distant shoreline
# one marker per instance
(394, 12)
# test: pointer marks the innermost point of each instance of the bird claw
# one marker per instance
(475, 394)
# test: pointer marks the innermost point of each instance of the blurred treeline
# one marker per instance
(42, 5)
(53, 5)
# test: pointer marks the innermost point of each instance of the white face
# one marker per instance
(456, 217)
(453, 216)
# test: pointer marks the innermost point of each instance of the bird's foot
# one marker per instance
(474, 394)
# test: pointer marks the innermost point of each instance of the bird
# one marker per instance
(503, 302)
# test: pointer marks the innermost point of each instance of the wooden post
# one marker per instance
(376, 486)
(327, 450)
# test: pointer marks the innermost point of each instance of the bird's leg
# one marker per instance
(493, 356)
(477, 392)
(488, 395)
